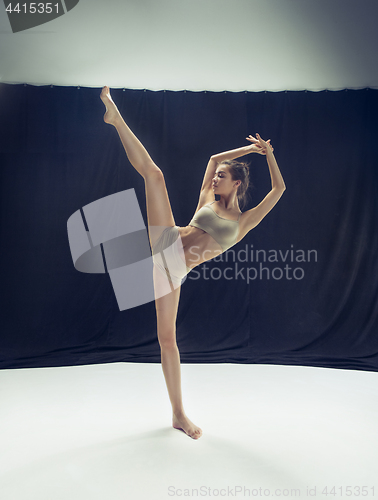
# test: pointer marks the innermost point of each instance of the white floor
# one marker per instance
(102, 432)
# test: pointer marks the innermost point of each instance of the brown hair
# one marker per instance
(239, 172)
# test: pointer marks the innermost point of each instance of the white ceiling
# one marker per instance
(199, 45)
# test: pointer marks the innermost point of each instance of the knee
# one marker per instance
(154, 173)
(167, 340)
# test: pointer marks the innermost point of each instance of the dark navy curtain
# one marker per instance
(300, 289)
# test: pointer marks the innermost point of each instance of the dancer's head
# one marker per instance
(232, 175)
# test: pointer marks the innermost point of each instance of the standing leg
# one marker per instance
(159, 213)
(166, 313)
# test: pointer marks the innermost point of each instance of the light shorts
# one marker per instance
(168, 256)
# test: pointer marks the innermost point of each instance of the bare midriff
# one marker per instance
(198, 245)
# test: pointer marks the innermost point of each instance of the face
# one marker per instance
(222, 181)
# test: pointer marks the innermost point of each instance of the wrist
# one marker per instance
(269, 151)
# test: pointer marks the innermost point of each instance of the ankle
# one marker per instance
(179, 413)
(118, 121)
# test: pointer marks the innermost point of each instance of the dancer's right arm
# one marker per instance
(227, 155)
(218, 158)
(207, 194)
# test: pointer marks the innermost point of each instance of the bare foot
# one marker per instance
(181, 422)
(112, 114)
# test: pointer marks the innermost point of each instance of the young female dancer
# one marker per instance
(215, 227)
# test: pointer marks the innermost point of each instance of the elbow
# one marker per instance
(280, 189)
(282, 186)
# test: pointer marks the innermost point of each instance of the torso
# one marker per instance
(198, 245)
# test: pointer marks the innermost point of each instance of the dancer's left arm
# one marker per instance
(254, 216)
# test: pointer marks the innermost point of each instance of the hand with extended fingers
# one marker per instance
(259, 145)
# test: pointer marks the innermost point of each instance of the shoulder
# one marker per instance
(206, 196)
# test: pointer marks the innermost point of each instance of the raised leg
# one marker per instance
(159, 214)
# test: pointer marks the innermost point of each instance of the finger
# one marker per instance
(262, 142)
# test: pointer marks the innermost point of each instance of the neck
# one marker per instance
(229, 202)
